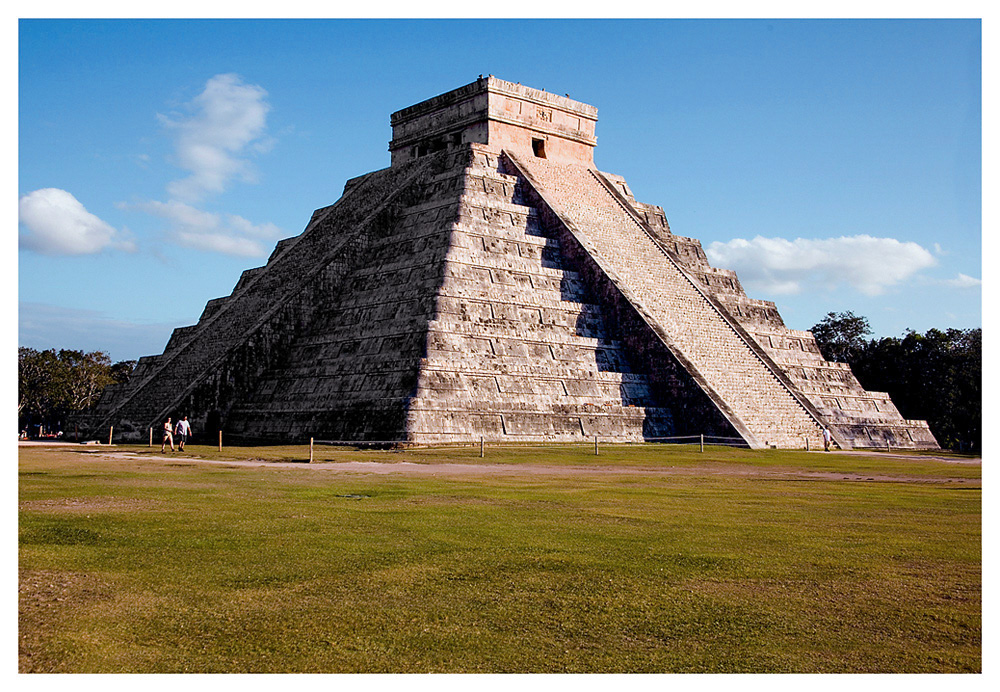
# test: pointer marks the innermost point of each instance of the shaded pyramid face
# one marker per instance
(492, 283)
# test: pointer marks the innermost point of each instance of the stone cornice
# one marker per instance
(492, 85)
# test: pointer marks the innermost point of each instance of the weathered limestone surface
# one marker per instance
(493, 283)
(745, 386)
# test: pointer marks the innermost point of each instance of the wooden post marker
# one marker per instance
(111, 434)
(150, 437)
(596, 450)
(482, 446)
(310, 450)
(220, 440)
(701, 442)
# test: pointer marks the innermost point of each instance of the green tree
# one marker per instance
(52, 384)
(36, 372)
(936, 376)
(122, 370)
(841, 335)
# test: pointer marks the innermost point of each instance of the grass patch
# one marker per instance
(152, 566)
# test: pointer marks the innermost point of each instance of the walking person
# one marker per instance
(183, 430)
(168, 436)
(827, 439)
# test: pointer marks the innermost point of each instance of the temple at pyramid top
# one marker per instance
(501, 114)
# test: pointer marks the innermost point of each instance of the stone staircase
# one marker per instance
(750, 389)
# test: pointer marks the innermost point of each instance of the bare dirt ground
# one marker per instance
(44, 596)
(86, 504)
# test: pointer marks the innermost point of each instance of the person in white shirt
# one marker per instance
(182, 431)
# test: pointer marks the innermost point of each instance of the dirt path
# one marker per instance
(410, 469)
(971, 461)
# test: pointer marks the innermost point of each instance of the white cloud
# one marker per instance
(964, 281)
(780, 266)
(58, 224)
(202, 230)
(267, 231)
(227, 119)
(226, 122)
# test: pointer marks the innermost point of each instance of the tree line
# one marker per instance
(55, 384)
(936, 376)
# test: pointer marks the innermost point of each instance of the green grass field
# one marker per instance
(642, 559)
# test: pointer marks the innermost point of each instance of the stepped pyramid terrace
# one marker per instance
(493, 283)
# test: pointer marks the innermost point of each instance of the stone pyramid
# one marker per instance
(493, 283)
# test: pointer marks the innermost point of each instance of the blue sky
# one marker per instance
(835, 164)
